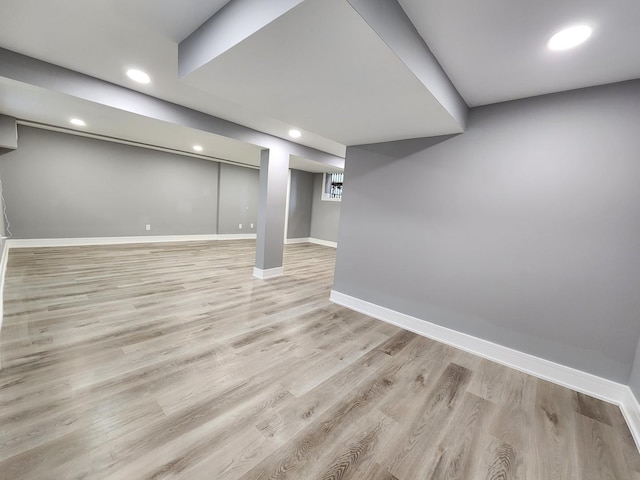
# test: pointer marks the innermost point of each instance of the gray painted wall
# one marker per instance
(634, 381)
(2, 269)
(238, 200)
(300, 202)
(325, 215)
(3, 227)
(523, 231)
(58, 185)
(8, 133)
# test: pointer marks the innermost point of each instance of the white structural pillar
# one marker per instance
(274, 171)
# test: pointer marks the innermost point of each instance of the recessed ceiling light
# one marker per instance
(197, 148)
(295, 133)
(570, 37)
(78, 122)
(138, 76)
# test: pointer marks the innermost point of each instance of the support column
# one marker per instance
(274, 171)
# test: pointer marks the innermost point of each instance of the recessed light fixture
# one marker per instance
(77, 122)
(197, 148)
(569, 37)
(295, 133)
(138, 76)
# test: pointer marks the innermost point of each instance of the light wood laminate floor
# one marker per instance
(171, 361)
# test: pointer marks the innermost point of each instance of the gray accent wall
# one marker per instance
(325, 215)
(3, 226)
(8, 133)
(634, 381)
(58, 185)
(300, 202)
(523, 231)
(3, 267)
(238, 200)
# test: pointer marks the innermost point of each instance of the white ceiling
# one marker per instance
(55, 109)
(318, 68)
(99, 39)
(495, 50)
(321, 66)
(172, 19)
(45, 108)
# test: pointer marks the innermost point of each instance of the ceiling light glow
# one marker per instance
(569, 37)
(197, 148)
(77, 122)
(295, 133)
(138, 76)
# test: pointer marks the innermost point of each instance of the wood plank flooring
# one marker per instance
(170, 361)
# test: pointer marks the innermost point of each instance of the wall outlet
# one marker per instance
(240, 226)
(252, 225)
(147, 227)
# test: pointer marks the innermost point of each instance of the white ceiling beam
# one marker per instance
(34, 72)
(235, 22)
(393, 26)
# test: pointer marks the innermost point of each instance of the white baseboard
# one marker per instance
(236, 236)
(268, 273)
(563, 375)
(293, 241)
(325, 243)
(631, 410)
(69, 242)
(317, 241)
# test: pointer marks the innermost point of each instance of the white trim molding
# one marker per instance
(236, 236)
(325, 243)
(583, 382)
(631, 410)
(70, 242)
(293, 241)
(268, 273)
(317, 241)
